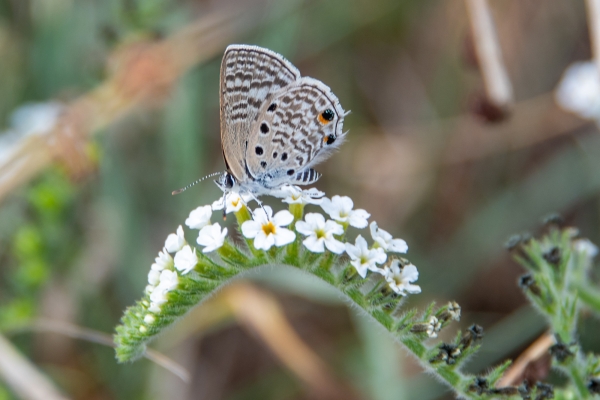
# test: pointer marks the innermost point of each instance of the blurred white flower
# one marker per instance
(163, 261)
(158, 296)
(585, 246)
(36, 118)
(400, 279)
(295, 195)
(579, 90)
(267, 230)
(211, 237)
(154, 308)
(153, 277)
(386, 241)
(149, 319)
(320, 234)
(29, 119)
(340, 209)
(363, 258)
(168, 281)
(199, 218)
(233, 202)
(175, 241)
(186, 259)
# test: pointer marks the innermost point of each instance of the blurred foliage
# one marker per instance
(78, 250)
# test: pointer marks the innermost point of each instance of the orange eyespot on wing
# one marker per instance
(326, 117)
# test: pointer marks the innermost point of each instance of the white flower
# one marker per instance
(340, 209)
(295, 195)
(399, 279)
(579, 89)
(153, 277)
(363, 258)
(158, 296)
(268, 231)
(163, 261)
(168, 280)
(199, 218)
(233, 202)
(320, 234)
(386, 241)
(186, 259)
(149, 319)
(154, 308)
(433, 327)
(175, 241)
(211, 237)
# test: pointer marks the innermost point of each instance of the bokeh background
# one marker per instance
(109, 105)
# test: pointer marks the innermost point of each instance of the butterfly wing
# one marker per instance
(300, 126)
(250, 75)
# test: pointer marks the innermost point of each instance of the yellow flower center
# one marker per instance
(235, 202)
(320, 233)
(269, 228)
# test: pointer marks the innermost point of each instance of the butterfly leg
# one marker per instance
(259, 203)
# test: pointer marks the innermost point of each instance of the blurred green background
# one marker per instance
(423, 156)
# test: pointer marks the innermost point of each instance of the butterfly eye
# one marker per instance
(228, 181)
(326, 116)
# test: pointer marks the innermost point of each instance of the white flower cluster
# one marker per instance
(161, 280)
(268, 230)
(579, 90)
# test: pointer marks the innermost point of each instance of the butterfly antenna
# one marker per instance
(183, 189)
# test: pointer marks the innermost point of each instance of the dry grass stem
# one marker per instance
(497, 84)
(536, 350)
(593, 16)
(23, 377)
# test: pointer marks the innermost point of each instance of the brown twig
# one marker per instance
(140, 74)
(536, 350)
(92, 336)
(489, 55)
(261, 313)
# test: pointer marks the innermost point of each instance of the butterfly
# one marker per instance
(275, 124)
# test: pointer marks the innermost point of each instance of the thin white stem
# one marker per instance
(23, 377)
(497, 85)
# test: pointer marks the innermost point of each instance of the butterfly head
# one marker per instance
(226, 182)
